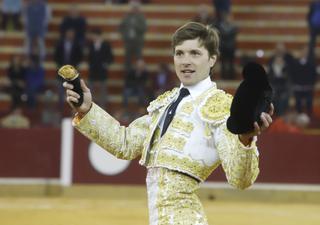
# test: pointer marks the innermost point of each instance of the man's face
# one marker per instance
(192, 62)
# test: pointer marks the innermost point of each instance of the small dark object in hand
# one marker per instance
(71, 75)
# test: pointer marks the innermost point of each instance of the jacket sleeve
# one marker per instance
(240, 163)
(122, 142)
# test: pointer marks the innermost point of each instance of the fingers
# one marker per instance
(70, 104)
(72, 94)
(257, 130)
(72, 99)
(271, 109)
(84, 86)
(67, 85)
(266, 120)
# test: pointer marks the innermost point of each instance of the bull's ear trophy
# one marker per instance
(72, 76)
(253, 96)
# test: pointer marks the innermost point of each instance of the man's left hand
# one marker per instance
(266, 119)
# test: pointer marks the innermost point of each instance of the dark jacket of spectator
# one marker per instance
(304, 77)
(76, 22)
(136, 79)
(228, 34)
(35, 74)
(100, 57)
(304, 72)
(279, 76)
(68, 51)
(16, 74)
(135, 83)
(222, 7)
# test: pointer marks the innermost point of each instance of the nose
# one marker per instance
(185, 61)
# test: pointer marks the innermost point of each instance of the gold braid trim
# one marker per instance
(215, 108)
(162, 100)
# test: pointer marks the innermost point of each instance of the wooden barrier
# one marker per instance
(35, 153)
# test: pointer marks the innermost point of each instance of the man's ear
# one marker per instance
(212, 60)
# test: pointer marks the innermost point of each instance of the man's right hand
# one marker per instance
(72, 96)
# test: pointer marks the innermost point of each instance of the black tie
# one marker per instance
(172, 109)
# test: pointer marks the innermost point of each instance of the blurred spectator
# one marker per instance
(290, 122)
(304, 79)
(50, 116)
(16, 74)
(222, 8)
(135, 83)
(132, 29)
(35, 74)
(100, 58)
(228, 34)
(205, 15)
(162, 80)
(37, 14)
(279, 75)
(11, 11)
(302, 120)
(314, 23)
(76, 22)
(67, 51)
(15, 119)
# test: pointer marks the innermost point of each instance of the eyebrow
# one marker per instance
(189, 50)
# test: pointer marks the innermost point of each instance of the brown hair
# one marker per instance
(208, 36)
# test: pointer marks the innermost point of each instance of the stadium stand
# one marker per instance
(262, 24)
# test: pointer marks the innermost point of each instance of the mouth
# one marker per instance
(187, 72)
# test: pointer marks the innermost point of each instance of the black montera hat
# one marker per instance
(253, 96)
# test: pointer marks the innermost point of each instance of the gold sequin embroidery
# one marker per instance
(187, 108)
(239, 164)
(216, 108)
(177, 201)
(172, 142)
(162, 100)
(183, 126)
(187, 165)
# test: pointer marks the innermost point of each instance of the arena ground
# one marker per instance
(128, 206)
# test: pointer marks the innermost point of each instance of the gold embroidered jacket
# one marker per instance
(196, 142)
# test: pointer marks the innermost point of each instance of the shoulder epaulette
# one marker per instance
(162, 100)
(215, 108)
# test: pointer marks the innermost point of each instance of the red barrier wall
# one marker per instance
(284, 158)
(83, 172)
(290, 158)
(30, 152)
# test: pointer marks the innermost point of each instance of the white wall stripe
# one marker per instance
(29, 181)
(66, 152)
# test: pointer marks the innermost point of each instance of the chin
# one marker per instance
(188, 83)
